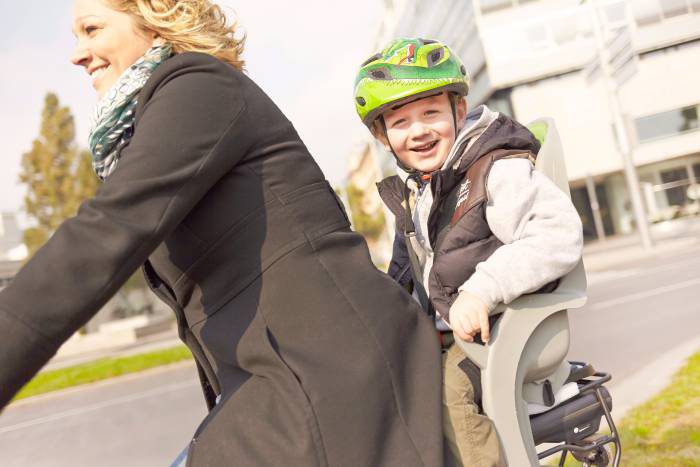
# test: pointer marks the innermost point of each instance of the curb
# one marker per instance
(601, 260)
(651, 379)
(103, 382)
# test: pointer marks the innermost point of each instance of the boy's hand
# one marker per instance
(468, 316)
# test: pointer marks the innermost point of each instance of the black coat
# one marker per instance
(320, 359)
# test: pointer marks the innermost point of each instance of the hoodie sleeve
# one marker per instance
(540, 230)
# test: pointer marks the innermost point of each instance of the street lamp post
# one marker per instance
(620, 129)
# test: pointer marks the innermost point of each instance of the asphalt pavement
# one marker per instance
(136, 420)
(643, 307)
(638, 310)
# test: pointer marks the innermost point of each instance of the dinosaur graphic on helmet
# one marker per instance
(407, 69)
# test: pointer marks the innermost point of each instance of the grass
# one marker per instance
(666, 429)
(101, 369)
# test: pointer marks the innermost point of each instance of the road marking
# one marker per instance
(98, 406)
(593, 278)
(597, 277)
(640, 295)
(105, 382)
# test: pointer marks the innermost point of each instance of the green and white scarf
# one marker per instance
(112, 122)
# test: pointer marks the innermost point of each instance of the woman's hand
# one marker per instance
(469, 315)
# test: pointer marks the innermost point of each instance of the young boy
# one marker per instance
(476, 224)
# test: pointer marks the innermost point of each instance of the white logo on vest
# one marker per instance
(463, 193)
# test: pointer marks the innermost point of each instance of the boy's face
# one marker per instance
(421, 133)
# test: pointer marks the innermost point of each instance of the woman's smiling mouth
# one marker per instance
(98, 73)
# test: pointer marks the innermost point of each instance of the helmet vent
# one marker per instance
(435, 56)
(371, 59)
(380, 73)
(463, 70)
(428, 41)
(361, 100)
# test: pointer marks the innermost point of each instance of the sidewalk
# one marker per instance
(150, 343)
(651, 379)
(615, 252)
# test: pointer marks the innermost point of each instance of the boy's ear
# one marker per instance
(378, 132)
(461, 110)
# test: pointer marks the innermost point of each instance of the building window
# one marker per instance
(696, 171)
(582, 203)
(568, 29)
(675, 184)
(672, 122)
(646, 12)
(500, 101)
(651, 11)
(673, 8)
(492, 5)
(538, 37)
(615, 15)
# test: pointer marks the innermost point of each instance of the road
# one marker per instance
(635, 313)
(141, 420)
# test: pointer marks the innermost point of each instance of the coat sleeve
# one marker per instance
(181, 146)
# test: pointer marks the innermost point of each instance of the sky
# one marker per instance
(303, 54)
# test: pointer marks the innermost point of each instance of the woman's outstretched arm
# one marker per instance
(180, 148)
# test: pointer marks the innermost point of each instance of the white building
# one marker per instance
(12, 249)
(530, 58)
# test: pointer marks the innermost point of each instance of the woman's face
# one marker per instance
(109, 41)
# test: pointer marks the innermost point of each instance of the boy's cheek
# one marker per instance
(404, 158)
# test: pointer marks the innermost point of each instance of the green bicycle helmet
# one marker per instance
(407, 69)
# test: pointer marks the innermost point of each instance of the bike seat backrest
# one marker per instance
(550, 161)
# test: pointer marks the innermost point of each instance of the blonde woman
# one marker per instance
(308, 355)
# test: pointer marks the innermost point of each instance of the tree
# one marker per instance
(58, 175)
(370, 224)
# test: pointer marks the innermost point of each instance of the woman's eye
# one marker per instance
(90, 29)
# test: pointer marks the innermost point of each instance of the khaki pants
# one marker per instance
(469, 435)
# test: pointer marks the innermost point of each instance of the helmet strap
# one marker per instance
(403, 166)
(453, 105)
(422, 176)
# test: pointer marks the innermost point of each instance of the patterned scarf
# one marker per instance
(112, 122)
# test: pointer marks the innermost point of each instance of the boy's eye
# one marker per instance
(398, 122)
(90, 29)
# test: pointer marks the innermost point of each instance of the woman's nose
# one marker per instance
(80, 56)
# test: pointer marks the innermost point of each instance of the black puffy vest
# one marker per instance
(458, 231)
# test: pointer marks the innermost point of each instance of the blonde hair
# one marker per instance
(188, 26)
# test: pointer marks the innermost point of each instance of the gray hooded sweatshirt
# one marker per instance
(536, 222)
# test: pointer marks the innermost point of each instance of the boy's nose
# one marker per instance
(418, 129)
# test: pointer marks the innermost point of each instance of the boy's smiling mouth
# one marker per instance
(425, 147)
